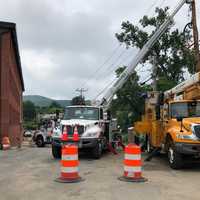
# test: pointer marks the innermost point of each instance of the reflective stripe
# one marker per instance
(70, 157)
(132, 157)
(130, 174)
(132, 169)
(6, 145)
(69, 169)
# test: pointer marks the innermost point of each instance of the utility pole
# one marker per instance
(81, 91)
(195, 36)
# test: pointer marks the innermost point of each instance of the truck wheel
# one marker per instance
(40, 141)
(97, 151)
(56, 152)
(175, 159)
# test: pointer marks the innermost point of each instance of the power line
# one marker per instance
(105, 88)
(115, 50)
(114, 63)
(81, 91)
(111, 66)
(100, 66)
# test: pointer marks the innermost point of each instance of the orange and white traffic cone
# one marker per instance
(132, 164)
(75, 135)
(69, 165)
(5, 143)
(65, 134)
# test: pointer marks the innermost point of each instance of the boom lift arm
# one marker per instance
(106, 100)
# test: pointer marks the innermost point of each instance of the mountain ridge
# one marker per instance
(42, 101)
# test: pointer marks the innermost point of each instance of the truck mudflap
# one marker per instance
(188, 149)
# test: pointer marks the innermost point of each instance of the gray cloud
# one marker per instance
(63, 42)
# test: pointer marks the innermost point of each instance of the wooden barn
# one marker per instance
(11, 85)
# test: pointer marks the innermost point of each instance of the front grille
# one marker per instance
(197, 130)
(80, 130)
(70, 130)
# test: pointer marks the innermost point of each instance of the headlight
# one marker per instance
(92, 132)
(187, 137)
(91, 135)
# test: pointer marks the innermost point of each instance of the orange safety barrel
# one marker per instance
(5, 143)
(132, 164)
(69, 165)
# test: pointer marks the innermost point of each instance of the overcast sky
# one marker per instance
(63, 43)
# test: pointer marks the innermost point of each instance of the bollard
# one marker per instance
(132, 164)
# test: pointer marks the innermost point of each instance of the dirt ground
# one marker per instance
(29, 173)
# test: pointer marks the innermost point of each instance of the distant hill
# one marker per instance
(44, 101)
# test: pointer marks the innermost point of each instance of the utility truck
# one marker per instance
(104, 103)
(172, 122)
(94, 129)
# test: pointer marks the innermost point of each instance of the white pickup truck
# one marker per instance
(93, 129)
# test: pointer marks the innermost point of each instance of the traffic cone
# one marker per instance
(132, 164)
(75, 135)
(5, 143)
(69, 165)
(64, 134)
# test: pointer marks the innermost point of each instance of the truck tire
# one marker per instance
(40, 141)
(56, 152)
(97, 151)
(175, 159)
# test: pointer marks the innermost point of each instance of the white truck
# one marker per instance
(93, 129)
(42, 137)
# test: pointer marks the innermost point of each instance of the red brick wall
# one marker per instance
(11, 93)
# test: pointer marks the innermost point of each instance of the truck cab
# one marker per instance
(171, 122)
(92, 128)
(181, 128)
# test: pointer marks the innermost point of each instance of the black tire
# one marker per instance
(56, 152)
(40, 141)
(175, 159)
(97, 151)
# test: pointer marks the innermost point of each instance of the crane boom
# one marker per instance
(140, 55)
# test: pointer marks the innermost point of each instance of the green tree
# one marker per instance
(78, 100)
(55, 104)
(170, 50)
(29, 111)
(128, 105)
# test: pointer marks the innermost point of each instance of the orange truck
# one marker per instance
(171, 122)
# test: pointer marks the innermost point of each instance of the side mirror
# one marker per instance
(179, 119)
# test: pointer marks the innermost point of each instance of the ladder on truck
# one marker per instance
(106, 100)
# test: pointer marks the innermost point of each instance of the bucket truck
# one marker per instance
(95, 133)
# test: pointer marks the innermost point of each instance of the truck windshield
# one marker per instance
(185, 109)
(81, 113)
